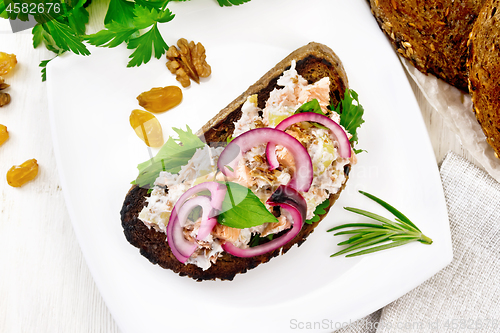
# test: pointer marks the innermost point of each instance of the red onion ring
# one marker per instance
(337, 131)
(285, 197)
(301, 180)
(183, 247)
(180, 246)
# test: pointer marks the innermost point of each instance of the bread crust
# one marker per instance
(314, 61)
(432, 35)
(484, 68)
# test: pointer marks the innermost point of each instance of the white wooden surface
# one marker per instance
(45, 285)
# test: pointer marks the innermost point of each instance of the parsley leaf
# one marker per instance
(351, 115)
(122, 29)
(158, 4)
(312, 106)
(171, 157)
(123, 22)
(77, 19)
(120, 11)
(116, 34)
(320, 210)
(241, 208)
(144, 17)
(228, 3)
(65, 38)
(3, 10)
(256, 240)
(39, 34)
(143, 44)
(43, 64)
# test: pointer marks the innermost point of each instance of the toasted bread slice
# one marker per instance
(313, 61)
(484, 67)
(432, 35)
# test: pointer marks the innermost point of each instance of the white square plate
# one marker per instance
(97, 152)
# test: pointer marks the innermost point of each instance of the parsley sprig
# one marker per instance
(125, 27)
(374, 237)
(351, 115)
(133, 22)
(63, 33)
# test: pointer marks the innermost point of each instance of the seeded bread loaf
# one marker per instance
(432, 35)
(313, 62)
(484, 68)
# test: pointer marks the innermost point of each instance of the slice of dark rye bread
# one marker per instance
(432, 35)
(313, 61)
(484, 69)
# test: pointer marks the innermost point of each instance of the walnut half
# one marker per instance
(188, 62)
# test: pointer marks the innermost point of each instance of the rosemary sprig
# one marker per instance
(372, 237)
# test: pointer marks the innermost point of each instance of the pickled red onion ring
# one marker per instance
(337, 131)
(180, 246)
(230, 156)
(183, 247)
(289, 199)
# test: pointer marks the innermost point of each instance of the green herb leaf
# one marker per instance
(123, 22)
(120, 11)
(228, 3)
(3, 10)
(116, 34)
(153, 4)
(145, 17)
(241, 208)
(126, 26)
(255, 239)
(391, 209)
(387, 235)
(41, 34)
(144, 46)
(311, 106)
(320, 210)
(379, 248)
(65, 38)
(38, 35)
(351, 115)
(43, 64)
(171, 157)
(78, 17)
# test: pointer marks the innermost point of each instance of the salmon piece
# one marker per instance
(226, 233)
(320, 90)
(274, 228)
(286, 159)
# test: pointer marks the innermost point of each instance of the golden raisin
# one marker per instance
(147, 128)
(7, 62)
(4, 134)
(4, 99)
(160, 99)
(19, 175)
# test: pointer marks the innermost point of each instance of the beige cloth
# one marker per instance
(464, 296)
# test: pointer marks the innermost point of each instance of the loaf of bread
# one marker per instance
(484, 69)
(432, 35)
(313, 61)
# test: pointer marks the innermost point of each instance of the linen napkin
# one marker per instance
(465, 295)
